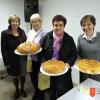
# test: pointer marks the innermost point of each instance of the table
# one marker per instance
(75, 94)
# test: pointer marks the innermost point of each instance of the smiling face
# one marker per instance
(58, 27)
(88, 27)
(14, 22)
(36, 24)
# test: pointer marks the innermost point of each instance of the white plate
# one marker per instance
(77, 68)
(50, 74)
(18, 53)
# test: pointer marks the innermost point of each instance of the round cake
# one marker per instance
(88, 66)
(53, 66)
(28, 48)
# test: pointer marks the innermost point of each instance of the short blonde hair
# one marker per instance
(13, 17)
(34, 16)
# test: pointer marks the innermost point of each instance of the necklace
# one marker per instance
(15, 33)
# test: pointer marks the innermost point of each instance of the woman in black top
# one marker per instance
(15, 64)
(57, 44)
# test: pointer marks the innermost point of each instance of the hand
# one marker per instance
(28, 43)
(68, 66)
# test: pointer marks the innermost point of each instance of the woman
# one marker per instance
(57, 44)
(89, 44)
(15, 64)
(35, 35)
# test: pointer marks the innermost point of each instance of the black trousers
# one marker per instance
(34, 79)
(60, 85)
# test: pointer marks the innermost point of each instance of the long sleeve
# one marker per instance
(40, 36)
(4, 48)
(78, 44)
(78, 48)
(24, 35)
(41, 54)
(73, 54)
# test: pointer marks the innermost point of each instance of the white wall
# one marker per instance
(73, 10)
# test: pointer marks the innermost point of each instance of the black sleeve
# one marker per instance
(73, 54)
(41, 54)
(4, 48)
(78, 48)
(24, 35)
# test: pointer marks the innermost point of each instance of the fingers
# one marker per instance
(67, 65)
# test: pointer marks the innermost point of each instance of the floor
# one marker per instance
(7, 89)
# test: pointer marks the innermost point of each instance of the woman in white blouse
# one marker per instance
(35, 35)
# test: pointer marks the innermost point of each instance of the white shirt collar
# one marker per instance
(84, 36)
(39, 31)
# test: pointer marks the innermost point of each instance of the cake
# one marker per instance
(53, 66)
(88, 66)
(28, 48)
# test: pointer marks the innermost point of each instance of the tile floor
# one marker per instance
(7, 89)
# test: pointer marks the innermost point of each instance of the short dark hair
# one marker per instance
(59, 18)
(12, 17)
(88, 17)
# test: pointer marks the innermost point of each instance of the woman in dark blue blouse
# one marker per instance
(15, 64)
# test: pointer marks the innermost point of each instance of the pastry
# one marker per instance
(28, 48)
(88, 66)
(53, 66)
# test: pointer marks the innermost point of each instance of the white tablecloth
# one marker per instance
(75, 94)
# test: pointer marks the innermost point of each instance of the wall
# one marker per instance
(73, 10)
